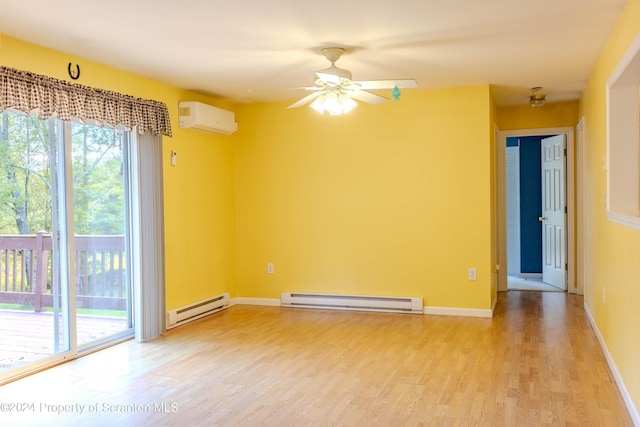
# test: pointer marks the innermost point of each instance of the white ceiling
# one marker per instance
(247, 50)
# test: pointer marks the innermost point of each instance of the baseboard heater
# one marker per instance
(191, 312)
(353, 302)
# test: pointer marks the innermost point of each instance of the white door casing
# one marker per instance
(553, 211)
(512, 176)
(500, 205)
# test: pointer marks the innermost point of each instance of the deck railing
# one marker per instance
(100, 271)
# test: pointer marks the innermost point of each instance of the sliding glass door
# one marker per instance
(99, 185)
(34, 316)
(64, 263)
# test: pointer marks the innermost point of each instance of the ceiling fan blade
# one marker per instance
(368, 97)
(305, 100)
(387, 84)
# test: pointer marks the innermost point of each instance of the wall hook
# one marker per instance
(77, 74)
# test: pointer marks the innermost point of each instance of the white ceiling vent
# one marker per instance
(196, 115)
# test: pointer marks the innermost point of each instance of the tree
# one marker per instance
(98, 180)
(25, 177)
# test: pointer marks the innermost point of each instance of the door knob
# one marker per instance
(542, 218)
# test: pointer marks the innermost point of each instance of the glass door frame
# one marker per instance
(129, 241)
(63, 250)
(62, 228)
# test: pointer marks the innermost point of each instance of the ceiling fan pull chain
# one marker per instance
(396, 93)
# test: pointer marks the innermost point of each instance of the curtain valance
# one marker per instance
(25, 91)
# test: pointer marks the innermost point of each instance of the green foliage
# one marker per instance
(98, 185)
(25, 176)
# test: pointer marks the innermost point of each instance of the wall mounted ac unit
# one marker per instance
(196, 115)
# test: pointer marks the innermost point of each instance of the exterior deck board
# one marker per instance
(26, 337)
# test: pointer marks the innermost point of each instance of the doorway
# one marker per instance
(527, 242)
(508, 233)
(535, 199)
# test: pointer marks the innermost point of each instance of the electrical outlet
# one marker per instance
(472, 274)
(270, 268)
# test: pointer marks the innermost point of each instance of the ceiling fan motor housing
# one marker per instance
(333, 54)
(335, 71)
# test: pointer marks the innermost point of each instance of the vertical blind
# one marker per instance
(148, 230)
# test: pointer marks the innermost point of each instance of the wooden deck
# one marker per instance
(26, 337)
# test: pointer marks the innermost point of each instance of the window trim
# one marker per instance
(623, 140)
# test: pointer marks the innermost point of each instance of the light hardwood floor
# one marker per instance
(536, 363)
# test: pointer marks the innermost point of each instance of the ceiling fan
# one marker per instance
(334, 91)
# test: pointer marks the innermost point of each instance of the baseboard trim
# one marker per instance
(271, 302)
(633, 412)
(465, 312)
(442, 311)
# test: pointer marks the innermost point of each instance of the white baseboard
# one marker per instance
(445, 311)
(466, 312)
(633, 412)
(272, 302)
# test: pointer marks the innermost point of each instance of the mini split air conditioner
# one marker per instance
(196, 115)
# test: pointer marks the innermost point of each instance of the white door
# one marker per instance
(553, 211)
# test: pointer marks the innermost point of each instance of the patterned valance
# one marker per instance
(28, 92)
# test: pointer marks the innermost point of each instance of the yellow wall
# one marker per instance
(392, 199)
(612, 251)
(551, 115)
(495, 193)
(199, 191)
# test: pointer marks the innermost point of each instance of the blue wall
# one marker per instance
(530, 205)
(530, 202)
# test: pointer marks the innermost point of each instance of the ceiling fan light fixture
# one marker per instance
(537, 99)
(334, 103)
(318, 104)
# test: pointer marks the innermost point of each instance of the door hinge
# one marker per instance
(565, 152)
(565, 209)
(566, 266)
